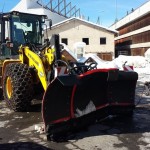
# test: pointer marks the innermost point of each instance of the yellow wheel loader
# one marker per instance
(72, 99)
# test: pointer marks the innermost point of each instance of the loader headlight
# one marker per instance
(43, 19)
(16, 13)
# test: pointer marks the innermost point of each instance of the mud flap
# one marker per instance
(72, 101)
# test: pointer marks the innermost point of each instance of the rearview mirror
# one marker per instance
(49, 22)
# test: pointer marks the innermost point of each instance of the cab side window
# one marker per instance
(7, 31)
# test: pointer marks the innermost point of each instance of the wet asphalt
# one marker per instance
(17, 130)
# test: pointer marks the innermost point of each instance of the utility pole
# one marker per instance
(99, 18)
(116, 11)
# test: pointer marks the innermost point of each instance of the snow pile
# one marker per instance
(100, 63)
(147, 54)
(135, 61)
(140, 64)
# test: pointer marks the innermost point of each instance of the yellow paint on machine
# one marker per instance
(35, 61)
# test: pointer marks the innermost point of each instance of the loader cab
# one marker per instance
(18, 29)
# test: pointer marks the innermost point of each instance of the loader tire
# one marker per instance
(17, 87)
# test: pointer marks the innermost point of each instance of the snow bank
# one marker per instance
(100, 63)
(135, 61)
(140, 64)
(147, 54)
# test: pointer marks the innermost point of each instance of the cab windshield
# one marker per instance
(26, 29)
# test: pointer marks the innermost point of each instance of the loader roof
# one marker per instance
(18, 12)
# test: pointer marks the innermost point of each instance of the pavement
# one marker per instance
(17, 130)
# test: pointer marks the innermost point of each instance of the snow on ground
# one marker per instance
(140, 64)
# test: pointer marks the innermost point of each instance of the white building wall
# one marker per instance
(75, 30)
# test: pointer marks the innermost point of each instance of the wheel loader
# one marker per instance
(31, 65)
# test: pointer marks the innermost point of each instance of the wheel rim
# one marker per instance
(9, 87)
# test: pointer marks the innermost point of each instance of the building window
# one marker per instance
(85, 40)
(102, 40)
(64, 40)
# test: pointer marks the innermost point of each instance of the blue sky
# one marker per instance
(106, 10)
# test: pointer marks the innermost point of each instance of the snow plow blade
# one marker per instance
(72, 102)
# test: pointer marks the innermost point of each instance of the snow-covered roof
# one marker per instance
(85, 21)
(134, 15)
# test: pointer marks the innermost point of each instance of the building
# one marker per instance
(98, 39)
(134, 32)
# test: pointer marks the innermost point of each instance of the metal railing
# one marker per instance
(61, 7)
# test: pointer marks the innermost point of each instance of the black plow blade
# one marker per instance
(75, 101)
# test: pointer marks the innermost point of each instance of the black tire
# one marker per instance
(18, 87)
